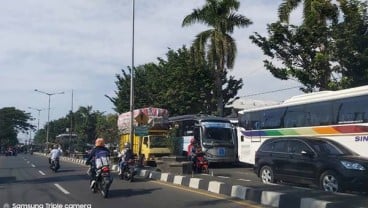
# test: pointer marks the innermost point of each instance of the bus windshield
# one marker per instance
(216, 133)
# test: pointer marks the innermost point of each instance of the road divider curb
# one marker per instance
(260, 195)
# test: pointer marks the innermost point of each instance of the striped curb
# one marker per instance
(268, 198)
(264, 197)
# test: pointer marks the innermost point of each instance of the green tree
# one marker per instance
(107, 128)
(350, 37)
(324, 52)
(182, 84)
(87, 124)
(316, 13)
(216, 44)
(12, 122)
(304, 51)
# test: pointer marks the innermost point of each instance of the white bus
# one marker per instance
(338, 115)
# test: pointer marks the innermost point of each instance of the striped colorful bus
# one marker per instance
(338, 115)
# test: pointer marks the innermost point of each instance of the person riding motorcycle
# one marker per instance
(54, 154)
(125, 155)
(194, 150)
(99, 151)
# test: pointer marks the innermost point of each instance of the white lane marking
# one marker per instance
(223, 177)
(33, 165)
(42, 173)
(61, 188)
(240, 179)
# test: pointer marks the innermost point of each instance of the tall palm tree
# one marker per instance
(314, 11)
(216, 44)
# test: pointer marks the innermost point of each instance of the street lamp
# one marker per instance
(132, 83)
(48, 112)
(39, 113)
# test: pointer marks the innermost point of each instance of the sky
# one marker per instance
(78, 46)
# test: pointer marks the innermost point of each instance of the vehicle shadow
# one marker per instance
(117, 193)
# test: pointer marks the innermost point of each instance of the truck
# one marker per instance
(150, 140)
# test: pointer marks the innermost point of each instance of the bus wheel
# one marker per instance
(267, 175)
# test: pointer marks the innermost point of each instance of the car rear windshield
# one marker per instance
(330, 148)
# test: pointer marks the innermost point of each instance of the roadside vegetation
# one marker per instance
(326, 50)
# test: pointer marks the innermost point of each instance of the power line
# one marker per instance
(267, 92)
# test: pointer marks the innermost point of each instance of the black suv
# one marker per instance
(306, 160)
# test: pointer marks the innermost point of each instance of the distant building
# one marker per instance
(242, 104)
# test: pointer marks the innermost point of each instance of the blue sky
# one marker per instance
(80, 45)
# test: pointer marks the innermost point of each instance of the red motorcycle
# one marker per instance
(201, 164)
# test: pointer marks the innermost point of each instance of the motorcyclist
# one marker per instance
(96, 156)
(193, 150)
(54, 154)
(125, 155)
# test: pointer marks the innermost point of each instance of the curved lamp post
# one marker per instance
(48, 112)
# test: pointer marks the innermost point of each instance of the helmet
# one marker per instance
(192, 140)
(55, 146)
(126, 145)
(100, 142)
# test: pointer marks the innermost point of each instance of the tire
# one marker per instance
(330, 181)
(205, 170)
(266, 175)
(131, 175)
(103, 188)
(104, 193)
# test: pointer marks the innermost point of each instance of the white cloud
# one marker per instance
(81, 44)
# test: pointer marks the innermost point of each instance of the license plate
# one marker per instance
(104, 174)
(221, 151)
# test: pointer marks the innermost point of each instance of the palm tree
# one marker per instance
(216, 44)
(315, 12)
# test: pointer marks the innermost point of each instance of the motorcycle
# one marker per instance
(54, 164)
(128, 172)
(103, 181)
(201, 164)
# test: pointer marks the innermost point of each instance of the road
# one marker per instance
(26, 181)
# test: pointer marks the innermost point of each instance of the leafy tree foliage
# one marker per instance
(351, 44)
(182, 84)
(216, 44)
(107, 128)
(324, 51)
(12, 122)
(87, 124)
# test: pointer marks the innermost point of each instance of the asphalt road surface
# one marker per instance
(27, 182)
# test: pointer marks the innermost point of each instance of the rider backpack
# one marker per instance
(102, 158)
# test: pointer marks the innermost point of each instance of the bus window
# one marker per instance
(252, 120)
(272, 118)
(319, 114)
(353, 110)
(294, 116)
